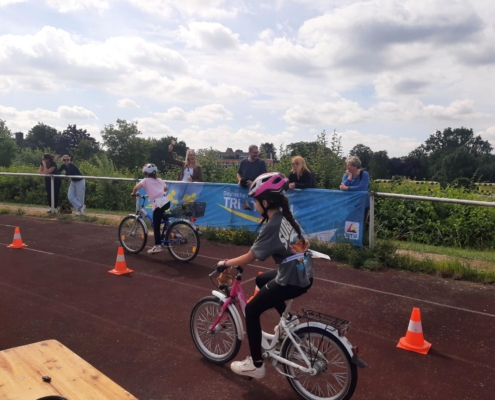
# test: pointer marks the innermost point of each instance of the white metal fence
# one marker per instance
(371, 194)
(52, 177)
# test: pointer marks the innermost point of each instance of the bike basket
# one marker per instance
(334, 323)
(189, 210)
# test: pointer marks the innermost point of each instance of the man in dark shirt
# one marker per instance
(77, 186)
(251, 167)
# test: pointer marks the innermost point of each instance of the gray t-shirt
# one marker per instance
(279, 239)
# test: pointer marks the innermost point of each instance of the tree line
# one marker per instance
(452, 156)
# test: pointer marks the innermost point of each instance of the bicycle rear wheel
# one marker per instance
(132, 234)
(221, 345)
(336, 376)
(182, 240)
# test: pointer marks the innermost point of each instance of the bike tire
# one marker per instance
(337, 376)
(182, 241)
(222, 345)
(132, 234)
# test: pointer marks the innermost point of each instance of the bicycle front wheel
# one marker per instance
(221, 345)
(132, 234)
(182, 240)
(336, 375)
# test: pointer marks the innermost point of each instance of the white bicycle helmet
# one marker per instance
(149, 169)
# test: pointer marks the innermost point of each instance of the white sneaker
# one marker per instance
(78, 212)
(155, 249)
(81, 210)
(247, 368)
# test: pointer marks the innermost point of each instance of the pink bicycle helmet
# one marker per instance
(269, 183)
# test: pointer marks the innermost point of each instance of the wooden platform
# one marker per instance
(22, 370)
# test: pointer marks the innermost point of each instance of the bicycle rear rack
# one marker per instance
(333, 323)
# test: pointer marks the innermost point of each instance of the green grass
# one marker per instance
(469, 254)
(88, 210)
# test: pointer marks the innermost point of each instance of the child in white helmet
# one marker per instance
(156, 190)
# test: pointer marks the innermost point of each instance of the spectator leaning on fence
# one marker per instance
(250, 168)
(77, 185)
(189, 170)
(356, 179)
(49, 167)
(300, 177)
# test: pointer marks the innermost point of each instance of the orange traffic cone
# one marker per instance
(256, 290)
(120, 265)
(17, 242)
(414, 341)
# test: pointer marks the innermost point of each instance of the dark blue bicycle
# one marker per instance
(180, 236)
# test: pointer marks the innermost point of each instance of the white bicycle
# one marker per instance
(316, 357)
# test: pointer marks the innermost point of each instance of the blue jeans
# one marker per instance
(76, 194)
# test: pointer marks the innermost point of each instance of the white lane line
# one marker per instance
(10, 226)
(92, 318)
(316, 278)
(407, 297)
(30, 249)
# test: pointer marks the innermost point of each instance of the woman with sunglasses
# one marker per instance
(49, 167)
(300, 177)
(77, 186)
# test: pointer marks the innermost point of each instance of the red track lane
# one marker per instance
(135, 328)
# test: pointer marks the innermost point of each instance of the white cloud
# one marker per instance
(457, 110)
(24, 120)
(330, 113)
(208, 9)
(208, 35)
(64, 6)
(395, 147)
(207, 114)
(488, 134)
(4, 3)
(153, 127)
(127, 103)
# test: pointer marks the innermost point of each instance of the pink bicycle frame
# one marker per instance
(236, 295)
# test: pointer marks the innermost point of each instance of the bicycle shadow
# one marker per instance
(251, 389)
(168, 267)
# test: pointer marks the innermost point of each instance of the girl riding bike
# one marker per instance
(281, 238)
(156, 190)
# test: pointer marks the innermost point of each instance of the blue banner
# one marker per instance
(328, 215)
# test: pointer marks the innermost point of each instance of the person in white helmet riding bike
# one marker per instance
(157, 195)
(282, 238)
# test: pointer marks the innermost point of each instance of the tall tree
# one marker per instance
(378, 165)
(42, 136)
(159, 151)
(452, 139)
(124, 146)
(306, 150)
(364, 153)
(268, 151)
(71, 137)
(8, 146)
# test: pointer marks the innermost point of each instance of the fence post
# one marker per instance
(372, 219)
(52, 194)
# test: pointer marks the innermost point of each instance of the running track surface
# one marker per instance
(135, 328)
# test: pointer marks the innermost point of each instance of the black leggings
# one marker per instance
(271, 295)
(157, 219)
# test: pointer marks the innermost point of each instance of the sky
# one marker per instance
(220, 73)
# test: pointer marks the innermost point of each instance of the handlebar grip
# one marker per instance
(221, 268)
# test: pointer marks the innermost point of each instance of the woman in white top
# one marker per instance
(190, 171)
(156, 190)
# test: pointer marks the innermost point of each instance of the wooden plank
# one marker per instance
(22, 369)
